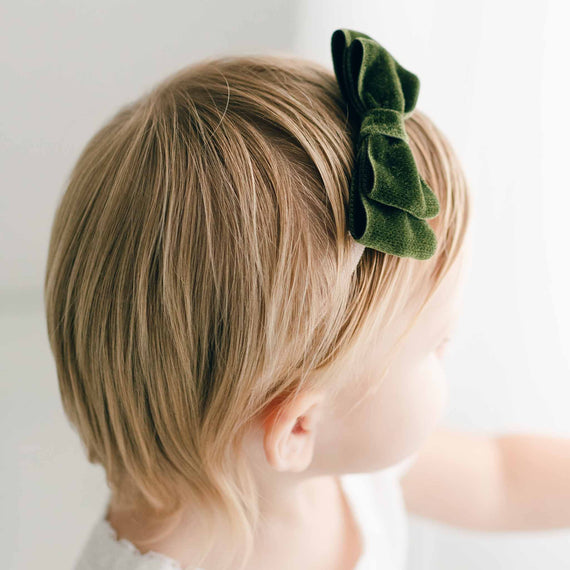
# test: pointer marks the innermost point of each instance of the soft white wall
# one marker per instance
(493, 78)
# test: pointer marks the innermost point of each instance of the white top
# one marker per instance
(377, 506)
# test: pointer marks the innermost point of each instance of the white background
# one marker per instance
(494, 77)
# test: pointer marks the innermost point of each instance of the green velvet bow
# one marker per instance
(389, 200)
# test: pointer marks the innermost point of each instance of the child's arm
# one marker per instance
(491, 483)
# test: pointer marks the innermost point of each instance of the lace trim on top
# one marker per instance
(167, 562)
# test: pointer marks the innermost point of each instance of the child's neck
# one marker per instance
(319, 535)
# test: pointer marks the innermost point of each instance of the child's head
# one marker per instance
(202, 291)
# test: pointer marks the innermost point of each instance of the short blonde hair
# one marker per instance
(199, 272)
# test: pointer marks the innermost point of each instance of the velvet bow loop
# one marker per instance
(369, 77)
(390, 175)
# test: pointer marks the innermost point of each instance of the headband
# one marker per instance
(389, 200)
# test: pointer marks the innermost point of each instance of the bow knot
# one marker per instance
(380, 121)
(389, 200)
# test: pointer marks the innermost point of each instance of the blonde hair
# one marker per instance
(199, 272)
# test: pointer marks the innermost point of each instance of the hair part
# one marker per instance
(200, 270)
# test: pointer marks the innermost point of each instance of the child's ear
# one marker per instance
(290, 430)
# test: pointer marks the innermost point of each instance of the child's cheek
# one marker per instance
(395, 421)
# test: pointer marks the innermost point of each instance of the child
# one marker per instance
(261, 388)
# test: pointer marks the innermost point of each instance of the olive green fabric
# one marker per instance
(389, 200)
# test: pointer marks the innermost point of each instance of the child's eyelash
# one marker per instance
(442, 344)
